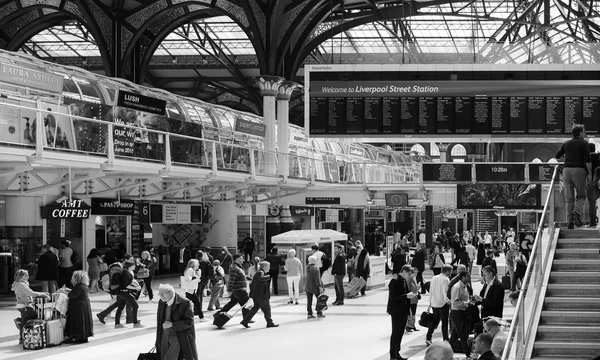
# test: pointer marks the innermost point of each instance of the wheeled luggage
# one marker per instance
(34, 334)
(54, 326)
(222, 318)
(353, 287)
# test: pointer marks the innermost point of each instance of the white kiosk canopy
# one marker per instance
(309, 236)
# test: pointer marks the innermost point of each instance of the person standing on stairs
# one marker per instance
(576, 173)
(592, 187)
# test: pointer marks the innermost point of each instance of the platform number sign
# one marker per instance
(144, 213)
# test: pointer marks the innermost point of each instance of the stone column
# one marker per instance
(443, 147)
(283, 120)
(269, 88)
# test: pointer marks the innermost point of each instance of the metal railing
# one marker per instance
(522, 329)
(78, 135)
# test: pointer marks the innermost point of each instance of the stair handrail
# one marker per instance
(522, 328)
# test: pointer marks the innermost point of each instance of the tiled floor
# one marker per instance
(358, 330)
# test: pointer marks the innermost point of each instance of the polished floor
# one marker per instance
(359, 330)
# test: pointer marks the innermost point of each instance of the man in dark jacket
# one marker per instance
(398, 306)
(260, 293)
(248, 246)
(274, 261)
(338, 270)
(418, 262)
(313, 286)
(175, 333)
(206, 272)
(491, 296)
(47, 271)
(489, 260)
(237, 286)
(483, 346)
(398, 259)
(363, 266)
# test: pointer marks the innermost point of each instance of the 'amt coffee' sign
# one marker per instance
(75, 209)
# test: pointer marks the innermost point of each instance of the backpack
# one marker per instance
(74, 257)
(326, 262)
(114, 274)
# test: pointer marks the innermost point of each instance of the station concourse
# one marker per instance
(174, 126)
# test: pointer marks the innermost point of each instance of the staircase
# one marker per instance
(569, 326)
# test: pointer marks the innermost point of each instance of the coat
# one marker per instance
(313, 280)
(418, 260)
(398, 261)
(398, 303)
(493, 303)
(260, 288)
(47, 267)
(182, 318)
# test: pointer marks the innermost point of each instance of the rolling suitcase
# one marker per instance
(54, 327)
(353, 287)
(34, 331)
(222, 318)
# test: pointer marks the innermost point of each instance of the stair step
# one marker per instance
(588, 243)
(573, 290)
(577, 253)
(575, 277)
(566, 348)
(585, 233)
(567, 318)
(561, 332)
(580, 265)
(566, 357)
(571, 303)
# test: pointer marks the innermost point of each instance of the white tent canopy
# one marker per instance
(308, 236)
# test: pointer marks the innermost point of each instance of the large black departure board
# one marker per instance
(373, 105)
(499, 172)
(454, 172)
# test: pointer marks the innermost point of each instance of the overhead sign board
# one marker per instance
(322, 200)
(541, 172)
(101, 206)
(250, 127)
(447, 172)
(302, 210)
(31, 78)
(498, 172)
(396, 199)
(141, 103)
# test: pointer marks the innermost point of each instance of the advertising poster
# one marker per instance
(10, 126)
(90, 136)
(116, 230)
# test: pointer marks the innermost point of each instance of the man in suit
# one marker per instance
(458, 311)
(492, 294)
(184, 256)
(260, 292)
(175, 333)
(483, 346)
(398, 306)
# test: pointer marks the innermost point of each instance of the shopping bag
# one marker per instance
(151, 355)
(322, 303)
(506, 282)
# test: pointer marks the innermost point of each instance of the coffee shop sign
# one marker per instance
(71, 209)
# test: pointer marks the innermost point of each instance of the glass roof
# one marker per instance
(67, 40)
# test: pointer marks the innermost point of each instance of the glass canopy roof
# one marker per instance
(495, 31)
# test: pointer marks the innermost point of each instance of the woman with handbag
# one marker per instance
(189, 283)
(145, 272)
(94, 262)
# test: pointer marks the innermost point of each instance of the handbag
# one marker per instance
(426, 317)
(143, 273)
(150, 355)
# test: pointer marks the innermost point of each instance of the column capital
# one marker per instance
(286, 89)
(269, 85)
(443, 147)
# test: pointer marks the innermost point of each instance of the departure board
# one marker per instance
(499, 172)
(541, 172)
(360, 101)
(450, 172)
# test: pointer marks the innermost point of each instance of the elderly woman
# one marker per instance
(293, 266)
(175, 333)
(80, 324)
(24, 295)
(313, 286)
(145, 272)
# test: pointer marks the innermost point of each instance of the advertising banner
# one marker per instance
(116, 230)
(101, 206)
(31, 78)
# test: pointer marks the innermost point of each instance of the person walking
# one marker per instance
(577, 172)
(439, 302)
(145, 272)
(175, 332)
(398, 307)
(226, 260)
(472, 252)
(489, 260)
(260, 293)
(592, 189)
(338, 270)
(313, 287)
(274, 261)
(184, 257)
(363, 266)
(47, 272)
(248, 245)
(190, 285)
(217, 283)
(125, 297)
(206, 272)
(237, 286)
(93, 260)
(293, 267)
(398, 258)
(418, 262)
(459, 303)
(413, 287)
(436, 260)
(80, 324)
